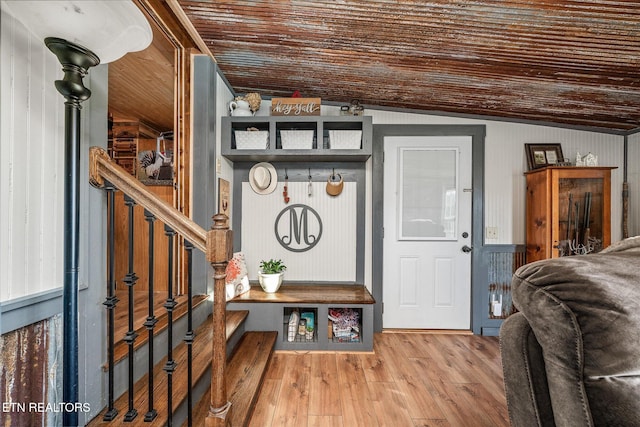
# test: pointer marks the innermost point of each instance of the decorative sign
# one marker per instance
(295, 106)
(298, 228)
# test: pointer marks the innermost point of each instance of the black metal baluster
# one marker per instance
(151, 318)
(190, 335)
(130, 337)
(170, 304)
(111, 300)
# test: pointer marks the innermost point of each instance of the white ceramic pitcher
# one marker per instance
(239, 108)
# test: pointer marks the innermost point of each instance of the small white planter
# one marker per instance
(270, 282)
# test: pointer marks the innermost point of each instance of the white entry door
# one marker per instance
(427, 232)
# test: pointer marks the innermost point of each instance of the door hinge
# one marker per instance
(383, 307)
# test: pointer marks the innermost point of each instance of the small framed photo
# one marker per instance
(541, 155)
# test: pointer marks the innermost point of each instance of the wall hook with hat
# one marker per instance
(334, 188)
(263, 178)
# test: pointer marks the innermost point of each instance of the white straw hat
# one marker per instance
(263, 178)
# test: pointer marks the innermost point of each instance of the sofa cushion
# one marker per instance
(585, 313)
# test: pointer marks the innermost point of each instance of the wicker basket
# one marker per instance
(345, 139)
(252, 139)
(296, 139)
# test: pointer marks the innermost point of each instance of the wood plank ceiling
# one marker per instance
(141, 85)
(573, 62)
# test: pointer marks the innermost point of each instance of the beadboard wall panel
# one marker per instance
(505, 164)
(31, 165)
(332, 259)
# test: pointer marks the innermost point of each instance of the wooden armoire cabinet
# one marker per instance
(568, 211)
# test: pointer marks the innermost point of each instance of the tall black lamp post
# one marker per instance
(75, 60)
(112, 29)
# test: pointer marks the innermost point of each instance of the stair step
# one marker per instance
(201, 363)
(245, 371)
(121, 348)
(235, 318)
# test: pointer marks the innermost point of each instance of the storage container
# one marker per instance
(296, 139)
(345, 139)
(252, 139)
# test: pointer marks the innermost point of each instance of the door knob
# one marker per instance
(466, 249)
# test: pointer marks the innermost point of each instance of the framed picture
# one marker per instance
(223, 197)
(541, 155)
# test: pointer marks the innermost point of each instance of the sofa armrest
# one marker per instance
(525, 379)
(585, 314)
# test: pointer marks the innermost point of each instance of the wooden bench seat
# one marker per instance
(309, 294)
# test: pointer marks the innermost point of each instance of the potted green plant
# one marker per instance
(271, 274)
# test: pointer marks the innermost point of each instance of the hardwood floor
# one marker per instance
(411, 379)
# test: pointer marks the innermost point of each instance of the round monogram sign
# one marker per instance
(298, 228)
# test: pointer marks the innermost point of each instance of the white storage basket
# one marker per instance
(252, 139)
(345, 139)
(296, 139)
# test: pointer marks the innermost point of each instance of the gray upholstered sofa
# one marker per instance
(571, 355)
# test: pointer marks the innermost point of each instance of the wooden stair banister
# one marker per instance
(217, 244)
(102, 167)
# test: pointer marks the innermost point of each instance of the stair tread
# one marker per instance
(245, 371)
(235, 318)
(121, 348)
(201, 349)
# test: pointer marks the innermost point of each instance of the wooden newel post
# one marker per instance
(219, 251)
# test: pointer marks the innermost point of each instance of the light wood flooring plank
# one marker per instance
(412, 383)
(325, 421)
(324, 389)
(479, 397)
(376, 368)
(411, 379)
(266, 405)
(390, 405)
(278, 366)
(357, 405)
(421, 422)
(465, 409)
(293, 398)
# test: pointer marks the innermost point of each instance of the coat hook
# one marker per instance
(285, 193)
(333, 174)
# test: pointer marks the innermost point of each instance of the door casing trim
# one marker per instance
(477, 133)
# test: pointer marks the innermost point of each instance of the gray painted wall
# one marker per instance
(204, 204)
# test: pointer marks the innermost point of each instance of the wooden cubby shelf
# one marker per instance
(320, 150)
(269, 311)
